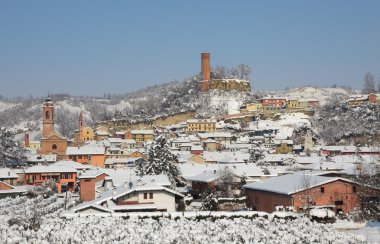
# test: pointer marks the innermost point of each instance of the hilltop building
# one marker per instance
(207, 83)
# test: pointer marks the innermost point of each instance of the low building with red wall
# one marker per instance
(304, 191)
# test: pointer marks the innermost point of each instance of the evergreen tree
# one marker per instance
(160, 161)
(210, 201)
(10, 152)
(256, 155)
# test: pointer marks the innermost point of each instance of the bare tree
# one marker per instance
(368, 191)
(245, 71)
(369, 83)
(224, 182)
(308, 195)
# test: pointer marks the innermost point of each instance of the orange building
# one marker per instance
(36, 175)
(87, 155)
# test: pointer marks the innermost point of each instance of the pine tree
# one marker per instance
(160, 161)
(256, 155)
(10, 152)
(210, 201)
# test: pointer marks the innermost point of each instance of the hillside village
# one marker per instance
(264, 155)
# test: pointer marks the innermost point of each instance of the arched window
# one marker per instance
(54, 147)
(47, 115)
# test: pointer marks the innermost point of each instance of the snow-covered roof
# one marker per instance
(33, 158)
(85, 150)
(290, 184)
(251, 170)
(220, 156)
(143, 132)
(114, 193)
(214, 135)
(50, 169)
(121, 160)
(206, 176)
(120, 176)
(72, 164)
(102, 133)
(210, 141)
(201, 121)
(6, 173)
(16, 189)
(196, 148)
(115, 140)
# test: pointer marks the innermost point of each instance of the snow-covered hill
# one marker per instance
(322, 94)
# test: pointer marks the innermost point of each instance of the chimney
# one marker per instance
(26, 139)
(205, 66)
(87, 189)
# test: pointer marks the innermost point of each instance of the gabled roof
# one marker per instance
(50, 169)
(206, 177)
(6, 173)
(72, 164)
(290, 184)
(55, 134)
(92, 205)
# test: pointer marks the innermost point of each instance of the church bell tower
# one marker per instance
(48, 117)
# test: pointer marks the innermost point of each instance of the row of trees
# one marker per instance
(369, 84)
(242, 71)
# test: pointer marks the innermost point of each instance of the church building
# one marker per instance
(52, 142)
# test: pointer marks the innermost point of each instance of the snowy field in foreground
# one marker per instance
(94, 229)
(154, 229)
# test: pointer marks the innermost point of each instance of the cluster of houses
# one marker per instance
(356, 100)
(273, 104)
(100, 166)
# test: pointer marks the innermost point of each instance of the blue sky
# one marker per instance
(96, 47)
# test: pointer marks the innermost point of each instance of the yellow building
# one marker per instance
(140, 135)
(251, 107)
(87, 134)
(230, 84)
(201, 125)
(293, 104)
(35, 145)
(284, 146)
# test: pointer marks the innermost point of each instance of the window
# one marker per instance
(145, 195)
(54, 147)
(338, 202)
(151, 195)
(47, 115)
(322, 189)
(353, 188)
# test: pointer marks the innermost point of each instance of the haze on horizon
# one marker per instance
(97, 47)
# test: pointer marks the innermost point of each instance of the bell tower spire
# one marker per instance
(48, 117)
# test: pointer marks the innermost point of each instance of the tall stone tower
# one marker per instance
(205, 69)
(80, 126)
(48, 117)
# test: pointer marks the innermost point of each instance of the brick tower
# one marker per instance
(48, 117)
(205, 68)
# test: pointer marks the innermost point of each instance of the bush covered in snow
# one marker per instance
(221, 228)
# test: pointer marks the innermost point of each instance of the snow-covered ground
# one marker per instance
(286, 124)
(369, 231)
(322, 94)
(134, 229)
